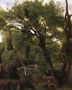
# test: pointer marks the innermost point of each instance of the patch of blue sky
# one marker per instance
(6, 4)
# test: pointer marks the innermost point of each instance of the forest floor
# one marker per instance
(65, 88)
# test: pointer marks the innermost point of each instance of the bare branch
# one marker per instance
(70, 15)
(67, 8)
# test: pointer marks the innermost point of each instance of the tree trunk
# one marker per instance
(27, 51)
(68, 44)
(9, 42)
(45, 52)
(66, 72)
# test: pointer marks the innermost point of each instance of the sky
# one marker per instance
(9, 3)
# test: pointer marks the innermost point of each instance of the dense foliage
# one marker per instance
(34, 31)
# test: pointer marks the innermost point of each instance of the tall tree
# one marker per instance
(68, 43)
(37, 20)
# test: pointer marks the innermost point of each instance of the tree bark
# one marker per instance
(68, 43)
(45, 51)
(9, 42)
(27, 51)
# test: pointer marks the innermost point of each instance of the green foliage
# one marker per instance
(7, 56)
(33, 31)
(2, 19)
(29, 19)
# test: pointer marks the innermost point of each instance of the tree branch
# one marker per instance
(67, 13)
(55, 41)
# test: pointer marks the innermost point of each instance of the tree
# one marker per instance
(37, 20)
(2, 25)
(67, 47)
